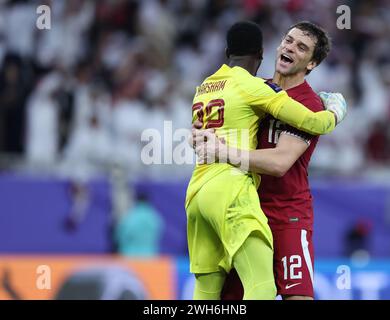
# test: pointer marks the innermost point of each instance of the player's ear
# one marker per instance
(312, 64)
(260, 55)
(227, 52)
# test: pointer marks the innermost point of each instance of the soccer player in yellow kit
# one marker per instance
(225, 225)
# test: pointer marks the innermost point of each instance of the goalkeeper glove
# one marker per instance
(335, 103)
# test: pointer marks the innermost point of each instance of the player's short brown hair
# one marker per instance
(323, 40)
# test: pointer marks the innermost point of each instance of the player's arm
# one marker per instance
(281, 106)
(273, 161)
(295, 114)
(284, 108)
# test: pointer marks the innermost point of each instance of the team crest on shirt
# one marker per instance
(273, 86)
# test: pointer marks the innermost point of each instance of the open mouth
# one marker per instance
(285, 58)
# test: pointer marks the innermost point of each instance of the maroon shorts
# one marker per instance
(293, 262)
(293, 266)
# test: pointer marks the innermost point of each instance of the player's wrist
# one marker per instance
(335, 117)
(233, 156)
(238, 157)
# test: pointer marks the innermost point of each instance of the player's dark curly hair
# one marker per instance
(323, 40)
(244, 38)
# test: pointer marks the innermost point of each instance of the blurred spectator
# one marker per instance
(139, 231)
(80, 201)
(80, 158)
(65, 43)
(377, 147)
(357, 238)
(14, 88)
(158, 25)
(116, 15)
(19, 27)
(43, 132)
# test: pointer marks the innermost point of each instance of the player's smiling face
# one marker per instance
(295, 53)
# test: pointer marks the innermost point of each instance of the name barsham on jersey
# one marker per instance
(210, 87)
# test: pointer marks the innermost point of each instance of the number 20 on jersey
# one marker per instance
(204, 113)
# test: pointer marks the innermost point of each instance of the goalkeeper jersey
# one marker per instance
(233, 102)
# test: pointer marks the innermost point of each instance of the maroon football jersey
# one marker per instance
(287, 201)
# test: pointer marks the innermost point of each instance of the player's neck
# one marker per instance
(288, 82)
(244, 62)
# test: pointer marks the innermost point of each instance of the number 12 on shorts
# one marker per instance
(290, 266)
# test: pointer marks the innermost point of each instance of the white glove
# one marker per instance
(334, 102)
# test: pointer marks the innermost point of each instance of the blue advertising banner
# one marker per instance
(35, 212)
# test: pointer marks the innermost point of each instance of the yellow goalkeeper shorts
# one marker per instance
(221, 215)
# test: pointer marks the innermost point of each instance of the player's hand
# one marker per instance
(195, 132)
(198, 135)
(334, 102)
(197, 125)
(213, 150)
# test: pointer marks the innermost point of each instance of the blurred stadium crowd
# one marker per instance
(75, 99)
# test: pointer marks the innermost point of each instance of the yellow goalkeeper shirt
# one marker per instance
(233, 102)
